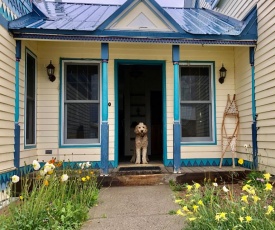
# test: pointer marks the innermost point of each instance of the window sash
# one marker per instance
(194, 123)
(30, 99)
(81, 108)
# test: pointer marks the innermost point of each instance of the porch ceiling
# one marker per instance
(79, 21)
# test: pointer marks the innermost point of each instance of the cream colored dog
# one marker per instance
(141, 142)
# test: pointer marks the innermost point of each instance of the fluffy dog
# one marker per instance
(141, 142)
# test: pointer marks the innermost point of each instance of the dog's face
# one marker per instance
(141, 129)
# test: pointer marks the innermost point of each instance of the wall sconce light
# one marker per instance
(222, 74)
(50, 72)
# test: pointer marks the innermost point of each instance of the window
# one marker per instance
(196, 103)
(30, 99)
(81, 103)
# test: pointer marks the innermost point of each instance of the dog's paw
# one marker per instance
(137, 162)
(145, 162)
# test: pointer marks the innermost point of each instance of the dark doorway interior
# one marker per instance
(140, 100)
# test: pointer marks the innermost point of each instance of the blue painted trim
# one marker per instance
(204, 162)
(17, 145)
(135, 38)
(141, 62)
(105, 51)
(104, 147)
(176, 146)
(254, 114)
(176, 93)
(104, 91)
(164, 114)
(4, 22)
(175, 53)
(116, 104)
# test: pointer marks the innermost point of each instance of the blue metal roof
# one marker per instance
(59, 18)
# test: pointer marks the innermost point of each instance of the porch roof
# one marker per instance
(82, 21)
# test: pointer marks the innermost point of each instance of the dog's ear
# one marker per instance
(145, 130)
(136, 129)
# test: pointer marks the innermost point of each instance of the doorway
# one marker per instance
(140, 99)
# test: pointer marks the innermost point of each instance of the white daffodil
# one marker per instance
(215, 184)
(36, 165)
(81, 165)
(14, 179)
(42, 173)
(87, 165)
(64, 177)
(225, 189)
(48, 168)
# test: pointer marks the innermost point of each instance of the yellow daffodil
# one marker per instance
(192, 218)
(217, 217)
(180, 213)
(83, 179)
(268, 187)
(195, 208)
(248, 218)
(189, 187)
(244, 199)
(178, 201)
(21, 197)
(251, 191)
(269, 210)
(243, 208)
(200, 203)
(241, 219)
(267, 176)
(197, 185)
(223, 215)
(185, 208)
(91, 172)
(240, 161)
(256, 199)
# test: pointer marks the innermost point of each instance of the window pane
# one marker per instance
(82, 121)
(82, 82)
(195, 83)
(195, 120)
(30, 99)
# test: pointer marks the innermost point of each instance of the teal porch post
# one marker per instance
(17, 108)
(254, 115)
(104, 125)
(176, 125)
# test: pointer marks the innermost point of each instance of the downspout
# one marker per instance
(254, 115)
(17, 108)
(104, 125)
(176, 125)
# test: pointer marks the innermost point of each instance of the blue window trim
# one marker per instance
(213, 83)
(142, 62)
(61, 106)
(30, 146)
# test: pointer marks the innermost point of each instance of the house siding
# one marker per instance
(265, 85)
(7, 99)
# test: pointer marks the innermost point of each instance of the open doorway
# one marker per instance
(140, 99)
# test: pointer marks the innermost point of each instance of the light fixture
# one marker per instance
(222, 74)
(50, 72)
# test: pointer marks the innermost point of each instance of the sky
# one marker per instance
(175, 3)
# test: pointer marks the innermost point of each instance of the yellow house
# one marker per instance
(119, 64)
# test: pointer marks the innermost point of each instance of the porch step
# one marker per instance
(155, 175)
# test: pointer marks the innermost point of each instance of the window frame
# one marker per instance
(211, 140)
(64, 142)
(32, 145)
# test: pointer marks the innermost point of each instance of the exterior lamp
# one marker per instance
(222, 74)
(50, 72)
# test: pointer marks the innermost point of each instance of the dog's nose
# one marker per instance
(141, 131)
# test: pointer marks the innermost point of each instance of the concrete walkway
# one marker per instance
(135, 208)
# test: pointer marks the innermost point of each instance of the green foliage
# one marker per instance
(176, 186)
(256, 179)
(213, 206)
(48, 202)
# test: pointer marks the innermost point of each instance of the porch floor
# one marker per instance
(227, 174)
